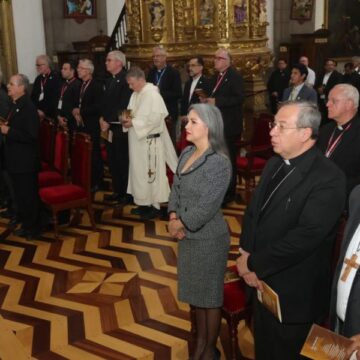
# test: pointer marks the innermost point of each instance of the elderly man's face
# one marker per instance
(337, 104)
(159, 58)
(286, 137)
(136, 84)
(15, 90)
(221, 60)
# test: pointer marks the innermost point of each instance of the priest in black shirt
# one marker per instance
(116, 99)
(45, 89)
(339, 140)
(68, 96)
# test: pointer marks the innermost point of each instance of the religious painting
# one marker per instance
(157, 14)
(240, 11)
(79, 9)
(301, 10)
(343, 21)
(206, 12)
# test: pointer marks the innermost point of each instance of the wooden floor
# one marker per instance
(105, 294)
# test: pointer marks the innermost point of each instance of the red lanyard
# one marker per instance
(43, 82)
(333, 143)
(84, 86)
(64, 87)
(219, 81)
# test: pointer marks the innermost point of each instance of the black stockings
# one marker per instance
(207, 331)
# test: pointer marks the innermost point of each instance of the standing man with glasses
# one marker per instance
(44, 93)
(339, 140)
(288, 232)
(87, 116)
(227, 93)
(168, 80)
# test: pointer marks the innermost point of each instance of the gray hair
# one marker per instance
(22, 80)
(161, 49)
(212, 117)
(349, 92)
(135, 72)
(227, 52)
(88, 64)
(45, 58)
(118, 55)
(308, 117)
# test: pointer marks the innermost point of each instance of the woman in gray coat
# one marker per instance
(196, 220)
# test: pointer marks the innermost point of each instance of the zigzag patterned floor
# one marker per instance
(105, 294)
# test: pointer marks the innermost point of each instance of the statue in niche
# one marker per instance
(262, 12)
(240, 11)
(206, 12)
(157, 14)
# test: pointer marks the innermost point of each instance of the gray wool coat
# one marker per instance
(196, 197)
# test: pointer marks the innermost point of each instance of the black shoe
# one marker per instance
(139, 210)
(151, 213)
(124, 200)
(14, 221)
(7, 214)
(111, 197)
(21, 232)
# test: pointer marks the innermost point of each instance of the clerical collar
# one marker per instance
(161, 70)
(296, 160)
(70, 80)
(344, 126)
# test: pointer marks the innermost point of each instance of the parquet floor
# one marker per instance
(104, 294)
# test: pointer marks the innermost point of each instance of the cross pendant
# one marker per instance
(150, 173)
(350, 264)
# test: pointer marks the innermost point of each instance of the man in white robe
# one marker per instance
(150, 146)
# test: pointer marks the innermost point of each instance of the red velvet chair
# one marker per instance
(58, 174)
(234, 310)
(47, 136)
(182, 142)
(76, 194)
(258, 151)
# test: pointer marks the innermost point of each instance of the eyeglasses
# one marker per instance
(38, 65)
(282, 127)
(219, 58)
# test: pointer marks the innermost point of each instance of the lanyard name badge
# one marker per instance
(42, 85)
(332, 144)
(84, 86)
(62, 92)
(218, 82)
(159, 76)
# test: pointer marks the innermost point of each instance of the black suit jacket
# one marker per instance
(22, 153)
(90, 109)
(347, 153)
(70, 100)
(229, 98)
(334, 79)
(116, 98)
(170, 88)
(290, 243)
(203, 83)
(278, 81)
(352, 316)
(51, 88)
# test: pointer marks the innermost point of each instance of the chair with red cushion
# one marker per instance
(77, 193)
(182, 143)
(57, 175)
(258, 151)
(234, 310)
(47, 136)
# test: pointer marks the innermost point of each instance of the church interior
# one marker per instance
(110, 292)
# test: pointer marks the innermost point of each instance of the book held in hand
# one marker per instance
(270, 299)
(323, 344)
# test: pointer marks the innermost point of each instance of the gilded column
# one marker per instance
(223, 21)
(179, 7)
(8, 39)
(133, 22)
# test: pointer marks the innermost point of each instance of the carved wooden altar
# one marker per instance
(199, 27)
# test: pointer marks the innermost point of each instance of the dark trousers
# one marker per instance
(97, 166)
(118, 159)
(26, 192)
(231, 144)
(276, 341)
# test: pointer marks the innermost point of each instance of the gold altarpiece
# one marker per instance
(199, 27)
(8, 63)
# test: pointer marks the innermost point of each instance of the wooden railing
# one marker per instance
(119, 35)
